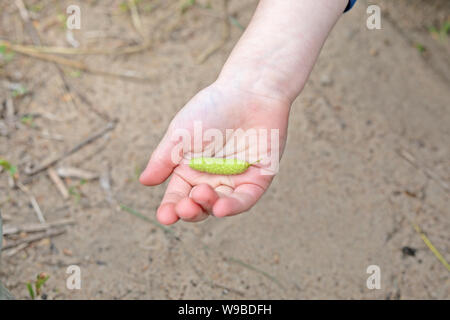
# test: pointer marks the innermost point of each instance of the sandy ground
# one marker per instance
(368, 154)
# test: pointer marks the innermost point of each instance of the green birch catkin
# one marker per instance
(219, 165)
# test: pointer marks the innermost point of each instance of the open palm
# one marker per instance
(192, 195)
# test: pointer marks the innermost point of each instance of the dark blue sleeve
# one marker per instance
(349, 5)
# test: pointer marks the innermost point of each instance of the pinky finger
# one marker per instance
(241, 200)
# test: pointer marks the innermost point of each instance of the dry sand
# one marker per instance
(344, 198)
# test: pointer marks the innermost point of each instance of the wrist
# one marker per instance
(259, 78)
(277, 51)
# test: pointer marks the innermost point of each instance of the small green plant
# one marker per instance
(19, 91)
(30, 291)
(137, 172)
(8, 167)
(75, 191)
(433, 30)
(41, 279)
(421, 48)
(37, 7)
(442, 31)
(149, 7)
(6, 54)
(27, 120)
(186, 5)
(236, 23)
(74, 73)
(445, 29)
(124, 6)
(62, 18)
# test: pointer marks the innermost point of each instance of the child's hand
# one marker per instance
(193, 195)
(263, 75)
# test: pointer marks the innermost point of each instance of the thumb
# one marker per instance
(160, 165)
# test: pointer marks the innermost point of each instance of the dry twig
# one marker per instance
(13, 251)
(24, 14)
(48, 234)
(33, 227)
(33, 201)
(50, 162)
(31, 52)
(137, 23)
(71, 172)
(76, 51)
(58, 183)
